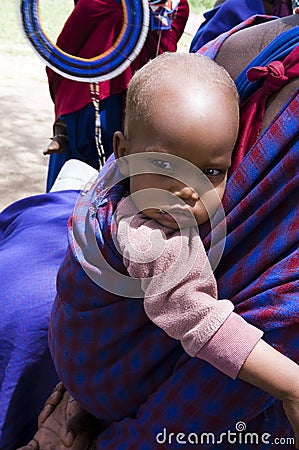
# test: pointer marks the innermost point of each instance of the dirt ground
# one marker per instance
(26, 113)
(26, 117)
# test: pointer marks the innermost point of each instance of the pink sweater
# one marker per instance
(180, 291)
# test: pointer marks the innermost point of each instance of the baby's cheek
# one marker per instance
(201, 215)
(210, 202)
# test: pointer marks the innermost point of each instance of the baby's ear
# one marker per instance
(120, 148)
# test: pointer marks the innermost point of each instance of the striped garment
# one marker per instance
(137, 380)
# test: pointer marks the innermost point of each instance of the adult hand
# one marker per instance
(59, 143)
(63, 424)
(51, 403)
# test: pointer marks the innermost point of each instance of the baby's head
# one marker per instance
(181, 121)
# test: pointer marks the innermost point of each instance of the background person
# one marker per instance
(91, 29)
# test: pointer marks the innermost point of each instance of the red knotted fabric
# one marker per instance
(276, 75)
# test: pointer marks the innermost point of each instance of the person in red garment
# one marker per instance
(91, 29)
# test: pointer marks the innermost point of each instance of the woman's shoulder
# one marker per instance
(239, 49)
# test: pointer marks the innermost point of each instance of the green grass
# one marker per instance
(53, 14)
(197, 6)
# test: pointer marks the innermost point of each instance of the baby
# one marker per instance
(141, 218)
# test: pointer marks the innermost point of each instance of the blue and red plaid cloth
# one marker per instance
(137, 380)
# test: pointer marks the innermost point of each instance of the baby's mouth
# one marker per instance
(178, 215)
(177, 210)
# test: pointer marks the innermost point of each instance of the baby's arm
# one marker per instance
(180, 292)
(270, 370)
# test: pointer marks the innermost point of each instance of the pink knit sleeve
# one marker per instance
(180, 292)
(231, 345)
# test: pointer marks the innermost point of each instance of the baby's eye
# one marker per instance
(212, 172)
(162, 164)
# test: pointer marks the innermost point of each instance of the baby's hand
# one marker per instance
(270, 370)
(291, 408)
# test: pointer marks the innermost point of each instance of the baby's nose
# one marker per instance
(186, 193)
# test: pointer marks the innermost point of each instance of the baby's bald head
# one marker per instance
(166, 83)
